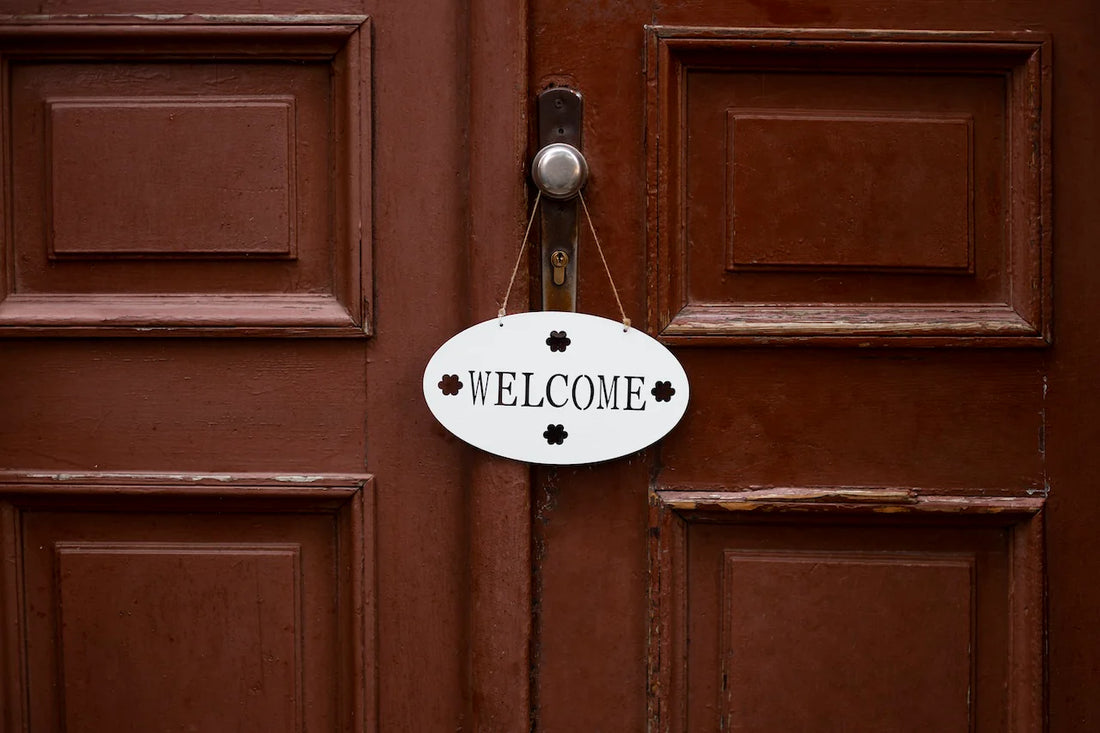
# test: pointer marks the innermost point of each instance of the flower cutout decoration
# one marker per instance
(663, 391)
(555, 434)
(558, 341)
(450, 385)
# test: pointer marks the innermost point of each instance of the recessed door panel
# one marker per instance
(861, 610)
(190, 602)
(859, 188)
(215, 178)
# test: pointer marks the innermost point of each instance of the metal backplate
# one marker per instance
(560, 117)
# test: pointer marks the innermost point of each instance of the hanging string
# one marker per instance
(519, 257)
(599, 248)
(596, 239)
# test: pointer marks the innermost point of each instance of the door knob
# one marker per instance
(559, 170)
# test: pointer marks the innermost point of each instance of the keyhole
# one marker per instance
(558, 260)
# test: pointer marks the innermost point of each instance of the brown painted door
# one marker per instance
(867, 230)
(231, 241)
(232, 234)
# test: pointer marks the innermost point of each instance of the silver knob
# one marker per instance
(559, 170)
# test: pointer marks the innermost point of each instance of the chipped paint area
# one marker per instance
(178, 477)
(133, 476)
(878, 501)
(253, 19)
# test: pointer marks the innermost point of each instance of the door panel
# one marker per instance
(190, 602)
(785, 610)
(885, 219)
(159, 181)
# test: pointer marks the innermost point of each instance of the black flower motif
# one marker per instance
(450, 385)
(663, 391)
(555, 434)
(558, 341)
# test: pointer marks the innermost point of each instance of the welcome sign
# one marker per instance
(556, 388)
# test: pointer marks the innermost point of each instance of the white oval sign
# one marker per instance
(556, 388)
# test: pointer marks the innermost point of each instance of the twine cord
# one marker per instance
(596, 239)
(519, 257)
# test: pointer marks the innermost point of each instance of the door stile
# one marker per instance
(665, 671)
(1027, 653)
(356, 557)
(12, 693)
(499, 508)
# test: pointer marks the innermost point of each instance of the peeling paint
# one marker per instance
(183, 477)
(139, 476)
(255, 19)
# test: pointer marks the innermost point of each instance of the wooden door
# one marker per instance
(866, 231)
(233, 232)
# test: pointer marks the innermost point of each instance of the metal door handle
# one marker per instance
(560, 172)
